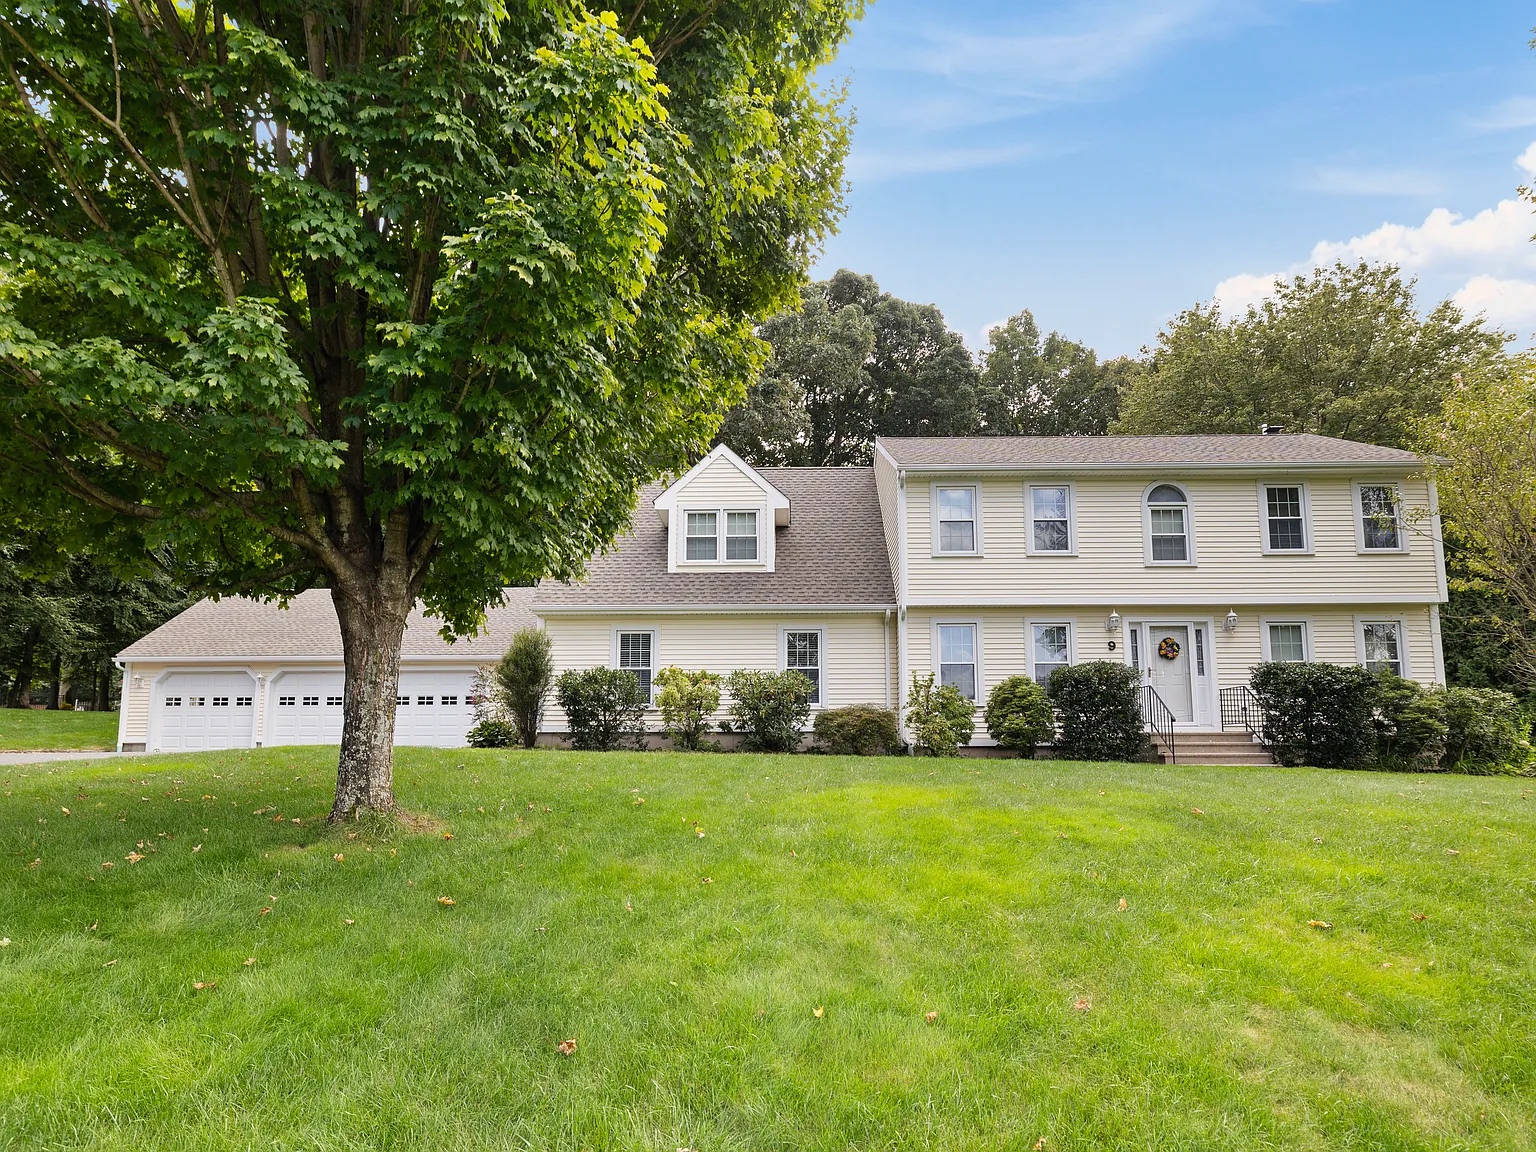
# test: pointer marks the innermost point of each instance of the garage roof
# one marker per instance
(238, 627)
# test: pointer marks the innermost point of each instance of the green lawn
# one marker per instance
(1204, 1013)
(33, 730)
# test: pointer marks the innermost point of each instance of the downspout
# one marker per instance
(901, 603)
(885, 636)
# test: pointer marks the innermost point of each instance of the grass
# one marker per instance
(34, 730)
(765, 985)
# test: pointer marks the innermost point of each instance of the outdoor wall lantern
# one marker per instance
(1230, 623)
(1113, 623)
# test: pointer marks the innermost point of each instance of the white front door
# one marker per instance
(1167, 662)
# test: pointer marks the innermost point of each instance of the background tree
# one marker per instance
(407, 299)
(1342, 351)
(1045, 386)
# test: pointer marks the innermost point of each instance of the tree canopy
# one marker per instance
(402, 299)
(1341, 351)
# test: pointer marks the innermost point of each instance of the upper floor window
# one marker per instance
(1381, 527)
(637, 654)
(957, 657)
(1285, 521)
(956, 519)
(703, 536)
(802, 654)
(1168, 525)
(1050, 518)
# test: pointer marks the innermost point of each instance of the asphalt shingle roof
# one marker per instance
(1294, 449)
(239, 627)
(832, 552)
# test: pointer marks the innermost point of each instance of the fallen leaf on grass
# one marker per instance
(706, 880)
(197, 847)
(1040, 1145)
(637, 801)
(566, 1047)
(1324, 924)
(930, 1016)
(348, 922)
(1083, 1004)
(447, 835)
(204, 985)
(109, 963)
(65, 811)
(628, 907)
(1123, 904)
(265, 910)
(1453, 851)
(700, 831)
(1421, 915)
(445, 901)
(249, 960)
(819, 1012)
(133, 857)
(108, 864)
(338, 857)
(1198, 811)
(5, 941)
(92, 928)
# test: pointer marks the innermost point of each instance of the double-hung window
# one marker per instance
(636, 654)
(1285, 523)
(957, 657)
(1381, 528)
(802, 654)
(703, 541)
(741, 535)
(956, 512)
(1381, 646)
(1050, 649)
(1050, 518)
(1287, 640)
(1168, 525)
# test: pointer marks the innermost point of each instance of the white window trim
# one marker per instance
(1306, 519)
(656, 664)
(1359, 514)
(1029, 517)
(1189, 526)
(1306, 635)
(720, 513)
(1029, 641)
(933, 516)
(934, 660)
(1404, 656)
(821, 630)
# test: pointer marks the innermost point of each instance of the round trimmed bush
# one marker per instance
(858, 730)
(1019, 716)
(1099, 709)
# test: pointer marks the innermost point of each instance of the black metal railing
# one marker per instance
(1241, 711)
(1159, 718)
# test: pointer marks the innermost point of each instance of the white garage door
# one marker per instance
(304, 708)
(434, 708)
(197, 711)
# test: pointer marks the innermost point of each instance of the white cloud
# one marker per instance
(1515, 112)
(1486, 262)
(1373, 182)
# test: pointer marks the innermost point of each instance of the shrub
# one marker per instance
(1019, 716)
(858, 730)
(769, 709)
(940, 718)
(1409, 725)
(522, 680)
(1098, 709)
(492, 734)
(605, 708)
(687, 701)
(1318, 714)
(1486, 732)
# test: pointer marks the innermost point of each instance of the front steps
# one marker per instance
(1229, 748)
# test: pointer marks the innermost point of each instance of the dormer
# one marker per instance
(720, 516)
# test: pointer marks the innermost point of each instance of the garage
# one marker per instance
(433, 708)
(203, 711)
(304, 708)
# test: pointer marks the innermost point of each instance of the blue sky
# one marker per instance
(1106, 163)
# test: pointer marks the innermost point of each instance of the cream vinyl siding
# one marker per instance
(719, 485)
(1002, 641)
(1110, 565)
(889, 492)
(853, 659)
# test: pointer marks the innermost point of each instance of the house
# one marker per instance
(241, 673)
(1192, 558)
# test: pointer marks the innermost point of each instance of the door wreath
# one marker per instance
(1168, 648)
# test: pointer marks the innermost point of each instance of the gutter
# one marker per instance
(1061, 468)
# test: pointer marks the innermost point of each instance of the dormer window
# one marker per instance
(725, 534)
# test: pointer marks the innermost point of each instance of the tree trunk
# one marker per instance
(372, 626)
(21, 687)
(55, 681)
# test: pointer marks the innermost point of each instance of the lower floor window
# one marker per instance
(802, 654)
(1383, 646)
(957, 657)
(1050, 648)
(636, 650)
(1288, 642)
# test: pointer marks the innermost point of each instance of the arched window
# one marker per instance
(1168, 524)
